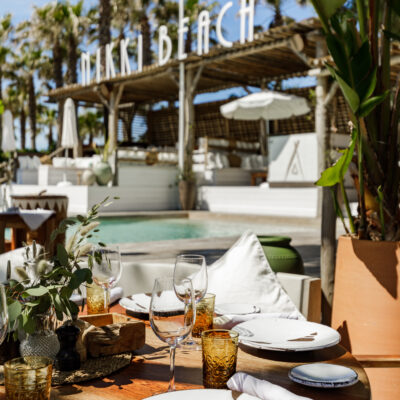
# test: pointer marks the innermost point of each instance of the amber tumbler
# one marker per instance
(204, 315)
(95, 299)
(220, 348)
(28, 378)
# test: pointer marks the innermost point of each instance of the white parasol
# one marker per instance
(69, 138)
(265, 105)
(8, 139)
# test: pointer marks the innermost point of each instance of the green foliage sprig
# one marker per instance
(48, 284)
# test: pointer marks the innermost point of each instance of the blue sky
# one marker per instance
(22, 10)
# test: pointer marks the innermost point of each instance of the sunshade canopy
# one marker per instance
(267, 105)
(8, 139)
(69, 138)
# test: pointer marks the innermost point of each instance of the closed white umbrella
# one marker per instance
(265, 105)
(69, 138)
(8, 139)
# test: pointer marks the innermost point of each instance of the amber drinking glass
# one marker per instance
(220, 348)
(204, 315)
(28, 378)
(95, 299)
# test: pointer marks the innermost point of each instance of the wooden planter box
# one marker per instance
(366, 309)
(113, 334)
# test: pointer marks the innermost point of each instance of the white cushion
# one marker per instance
(243, 275)
(23, 162)
(36, 162)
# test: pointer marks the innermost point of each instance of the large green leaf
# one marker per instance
(14, 310)
(335, 174)
(62, 255)
(370, 104)
(79, 276)
(338, 54)
(38, 291)
(326, 8)
(350, 95)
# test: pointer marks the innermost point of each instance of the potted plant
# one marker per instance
(366, 303)
(43, 291)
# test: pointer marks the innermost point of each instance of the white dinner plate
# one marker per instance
(281, 334)
(140, 303)
(236, 308)
(323, 375)
(201, 394)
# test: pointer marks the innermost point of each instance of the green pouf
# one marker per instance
(282, 257)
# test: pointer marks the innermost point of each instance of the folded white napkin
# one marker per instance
(115, 294)
(264, 390)
(35, 218)
(170, 300)
(229, 321)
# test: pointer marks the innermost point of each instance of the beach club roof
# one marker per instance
(278, 53)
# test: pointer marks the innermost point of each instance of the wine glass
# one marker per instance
(172, 317)
(3, 313)
(194, 267)
(106, 269)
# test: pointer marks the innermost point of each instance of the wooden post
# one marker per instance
(325, 201)
(189, 133)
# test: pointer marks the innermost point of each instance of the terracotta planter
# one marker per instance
(366, 308)
(187, 195)
(366, 303)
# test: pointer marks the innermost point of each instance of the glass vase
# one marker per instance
(44, 341)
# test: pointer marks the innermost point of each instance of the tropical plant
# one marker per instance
(47, 284)
(91, 125)
(360, 46)
(48, 118)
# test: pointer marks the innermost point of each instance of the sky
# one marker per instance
(22, 10)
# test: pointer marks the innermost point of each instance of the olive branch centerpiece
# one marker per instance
(47, 284)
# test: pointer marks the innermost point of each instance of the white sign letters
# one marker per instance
(246, 15)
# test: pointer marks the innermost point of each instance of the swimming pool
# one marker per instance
(134, 229)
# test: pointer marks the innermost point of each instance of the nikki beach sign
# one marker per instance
(246, 15)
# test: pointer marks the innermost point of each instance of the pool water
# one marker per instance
(124, 230)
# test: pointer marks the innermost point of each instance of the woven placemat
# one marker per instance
(91, 369)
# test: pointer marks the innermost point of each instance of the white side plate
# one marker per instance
(323, 375)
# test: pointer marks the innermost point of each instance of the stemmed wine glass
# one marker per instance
(106, 269)
(172, 317)
(3, 313)
(194, 267)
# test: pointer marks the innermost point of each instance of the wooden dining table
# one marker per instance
(148, 373)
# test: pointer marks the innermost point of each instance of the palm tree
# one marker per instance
(76, 25)
(15, 101)
(46, 28)
(104, 26)
(28, 62)
(6, 30)
(48, 118)
(91, 124)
